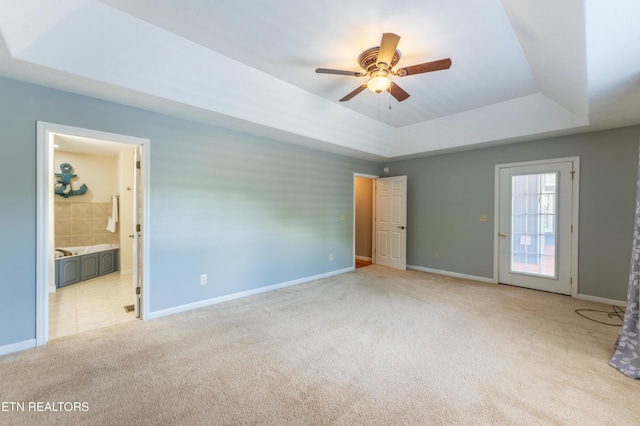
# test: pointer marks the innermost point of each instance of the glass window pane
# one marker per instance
(548, 266)
(548, 223)
(533, 224)
(532, 265)
(519, 204)
(517, 240)
(519, 224)
(548, 203)
(518, 185)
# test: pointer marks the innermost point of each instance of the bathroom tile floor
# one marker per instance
(90, 304)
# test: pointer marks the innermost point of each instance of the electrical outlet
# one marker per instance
(437, 255)
(203, 279)
(331, 257)
(484, 218)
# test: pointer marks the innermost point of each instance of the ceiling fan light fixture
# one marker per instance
(379, 81)
(378, 62)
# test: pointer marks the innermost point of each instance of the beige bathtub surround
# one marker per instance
(65, 241)
(82, 224)
(83, 240)
(82, 210)
(101, 210)
(62, 209)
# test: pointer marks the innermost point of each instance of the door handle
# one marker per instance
(402, 227)
(502, 235)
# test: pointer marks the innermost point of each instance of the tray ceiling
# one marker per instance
(521, 70)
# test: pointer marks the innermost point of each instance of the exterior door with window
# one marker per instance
(535, 225)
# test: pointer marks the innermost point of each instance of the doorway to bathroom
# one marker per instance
(92, 208)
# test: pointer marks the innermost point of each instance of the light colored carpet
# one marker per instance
(373, 346)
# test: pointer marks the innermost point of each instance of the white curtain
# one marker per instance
(626, 357)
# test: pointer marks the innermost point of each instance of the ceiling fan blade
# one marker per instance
(355, 92)
(442, 64)
(397, 92)
(388, 46)
(339, 72)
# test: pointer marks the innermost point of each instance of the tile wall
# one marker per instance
(82, 224)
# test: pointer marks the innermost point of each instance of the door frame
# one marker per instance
(575, 216)
(45, 265)
(374, 178)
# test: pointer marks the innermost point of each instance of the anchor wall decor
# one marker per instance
(63, 183)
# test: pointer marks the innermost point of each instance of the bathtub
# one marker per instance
(75, 251)
(75, 264)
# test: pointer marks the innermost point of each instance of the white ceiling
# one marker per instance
(521, 69)
(84, 145)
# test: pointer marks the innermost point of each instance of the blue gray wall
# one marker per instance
(448, 193)
(252, 212)
(249, 212)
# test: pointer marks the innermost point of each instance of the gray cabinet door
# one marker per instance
(107, 262)
(68, 271)
(90, 266)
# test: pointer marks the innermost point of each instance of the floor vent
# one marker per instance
(129, 308)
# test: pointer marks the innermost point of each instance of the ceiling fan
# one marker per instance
(378, 62)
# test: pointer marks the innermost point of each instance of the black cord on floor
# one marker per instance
(618, 313)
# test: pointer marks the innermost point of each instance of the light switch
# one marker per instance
(484, 218)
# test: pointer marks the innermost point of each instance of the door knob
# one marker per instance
(401, 227)
(502, 235)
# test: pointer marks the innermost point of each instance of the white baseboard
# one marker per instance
(452, 274)
(17, 347)
(225, 298)
(492, 281)
(366, 259)
(601, 300)
(126, 272)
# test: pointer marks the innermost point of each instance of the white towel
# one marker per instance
(113, 218)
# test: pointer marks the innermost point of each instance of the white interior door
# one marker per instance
(391, 222)
(535, 225)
